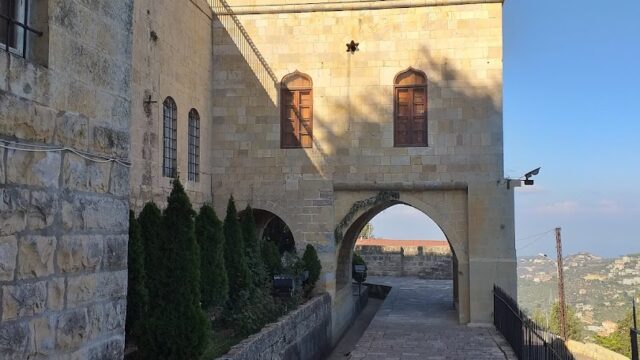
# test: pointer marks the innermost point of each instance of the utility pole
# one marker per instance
(563, 306)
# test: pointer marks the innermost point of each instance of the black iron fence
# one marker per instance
(527, 339)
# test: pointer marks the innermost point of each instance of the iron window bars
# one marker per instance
(194, 146)
(169, 136)
(14, 15)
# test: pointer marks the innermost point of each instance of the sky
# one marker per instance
(572, 107)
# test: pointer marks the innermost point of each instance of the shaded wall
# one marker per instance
(423, 262)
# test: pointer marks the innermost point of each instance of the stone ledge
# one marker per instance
(330, 6)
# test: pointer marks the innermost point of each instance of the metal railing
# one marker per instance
(527, 339)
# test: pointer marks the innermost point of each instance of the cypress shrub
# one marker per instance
(149, 220)
(271, 258)
(234, 253)
(214, 284)
(311, 264)
(253, 251)
(178, 325)
(137, 295)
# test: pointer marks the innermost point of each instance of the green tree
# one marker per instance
(234, 253)
(214, 284)
(313, 265)
(137, 295)
(540, 318)
(619, 341)
(178, 325)
(574, 327)
(271, 258)
(367, 232)
(253, 250)
(150, 220)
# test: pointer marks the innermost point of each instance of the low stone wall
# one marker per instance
(426, 263)
(305, 333)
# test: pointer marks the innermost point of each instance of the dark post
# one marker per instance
(633, 333)
(563, 306)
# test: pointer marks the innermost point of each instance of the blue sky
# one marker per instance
(571, 106)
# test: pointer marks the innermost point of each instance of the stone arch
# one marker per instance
(446, 208)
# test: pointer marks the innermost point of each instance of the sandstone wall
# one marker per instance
(303, 334)
(172, 56)
(63, 218)
(426, 263)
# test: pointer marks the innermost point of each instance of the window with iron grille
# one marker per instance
(14, 26)
(194, 145)
(296, 119)
(410, 109)
(169, 136)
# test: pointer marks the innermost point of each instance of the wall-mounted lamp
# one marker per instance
(530, 174)
(352, 47)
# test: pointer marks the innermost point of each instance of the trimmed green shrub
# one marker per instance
(178, 327)
(311, 264)
(150, 220)
(234, 253)
(271, 258)
(137, 295)
(253, 251)
(214, 284)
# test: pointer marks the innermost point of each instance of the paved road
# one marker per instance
(418, 321)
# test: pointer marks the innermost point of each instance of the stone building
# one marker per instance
(65, 90)
(259, 100)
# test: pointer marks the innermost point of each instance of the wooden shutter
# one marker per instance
(410, 126)
(289, 123)
(305, 107)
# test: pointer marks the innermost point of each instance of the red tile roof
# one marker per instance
(403, 243)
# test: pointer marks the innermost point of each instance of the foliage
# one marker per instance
(357, 259)
(291, 264)
(367, 232)
(271, 258)
(540, 318)
(178, 326)
(137, 295)
(574, 327)
(214, 284)
(312, 264)
(234, 254)
(150, 220)
(619, 341)
(253, 250)
(278, 232)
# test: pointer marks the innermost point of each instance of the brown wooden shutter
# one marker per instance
(306, 119)
(289, 123)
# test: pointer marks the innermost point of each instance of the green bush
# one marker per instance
(358, 260)
(150, 220)
(234, 254)
(619, 341)
(214, 284)
(271, 258)
(178, 326)
(253, 250)
(312, 264)
(137, 295)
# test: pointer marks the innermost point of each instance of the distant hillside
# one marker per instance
(599, 289)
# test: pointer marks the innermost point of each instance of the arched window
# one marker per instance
(194, 145)
(169, 137)
(296, 119)
(410, 109)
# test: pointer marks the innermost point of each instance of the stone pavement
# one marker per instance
(418, 321)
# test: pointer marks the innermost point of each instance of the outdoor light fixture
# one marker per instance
(352, 47)
(530, 174)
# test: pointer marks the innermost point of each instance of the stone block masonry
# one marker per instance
(63, 217)
(424, 259)
(303, 334)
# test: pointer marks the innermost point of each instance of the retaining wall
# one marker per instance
(305, 333)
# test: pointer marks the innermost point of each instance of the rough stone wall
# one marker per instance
(426, 263)
(63, 218)
(303, 334)
(172, 56)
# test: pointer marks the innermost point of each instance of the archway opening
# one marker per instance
(270, 227)
(397, 241)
